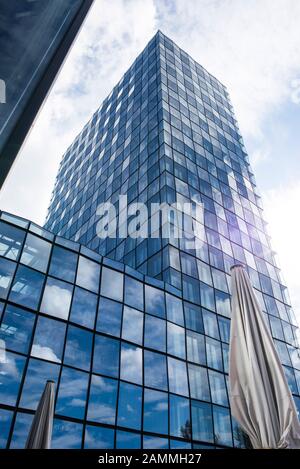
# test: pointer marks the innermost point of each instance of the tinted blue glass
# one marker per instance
(63, 264)
(180, 421)
(193, 317)
(155, 333)
(71, 399)
(57, 298)
(27, 286)
(222, 303)
(210, 324)
(131, 363)
(195, 347)
(214, 353)
(5, 422)
(66, 435)
(177, 377)
(88, 275)
(177, 444)
(152, 442)
(112, 284)
(38, 372)
(224, 326)
(102, 400)
(11, 370)
(155, 411)
(190, 289)
(176, 340)
(134, 293)
(174, 309)
(132, 326)
(21, 429)
(84, 307)
(207, 297)
(7, 270)
(128, 440)
(98, 437)
(218, 388)
(222, 426)
(155, 369)
(16, 328)
(198, 379)
(78, 348)
(49, 339)
(106, 356)
(36, 252)
(130, 406)
(11, 240)
(109, 317)
(155, 301)
(202, 426)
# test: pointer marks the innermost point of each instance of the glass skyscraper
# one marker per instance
(135, 331)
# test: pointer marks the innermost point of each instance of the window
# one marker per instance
(174, 309)
(152, 442)
(49, 339)
(199, 383)
(21, 429)
(176, 340)
(191, 289)
(188, 265)
(16, 328)
(155, 301)
(36, 253)
(78, 348)
(112, 284)
(38, 372)
(223, 435)
(66, 435)
(71, 399)
(290, 377)
(130, 406)
(193, 317)
(57, 298)
(131, 363)
(98, 437)
(180, 421)
(218, 388)
(63, 264)
(155, 367)
(224, 325)
(210, 324)
(84, 307)
(109, 317)
(223, 303)
(195, 347)
(106, 356)
(11, 240)
(132, 328)
(177, 376)
(155, 411)
(214, 354)
(155, 333)
(102, 400)
(88, 274)
(204, 272)
(128, 440)
(220, 282)
(202, 421)
(5, 422)
(27, 286)
(276, 328)
(134, 293)
(11, 370)
(7, 270)
(207, 296)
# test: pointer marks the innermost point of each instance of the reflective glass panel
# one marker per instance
(131, 363)
(49, 339)
(132, 327)
(63, 264)
(16, 328)
(36, 253)
(177, 376)
(38, 372)
(222, 426)
(84, 307)
(72, 393)
(102, 400)
(11, 240)
(210, 324)
(155, 301)
(130, 406)
(155, 411)
(88, 274)
(21, 429)
(11, 370)
(109, 317)
(134, 293)
(27, 287)
(66, 435)
(214, 353)
(218, 388)
(78, 348)
(5, 422)
(7, 270)
(199, 387)
(106, 356)
(155, 366)
(155, 333)
(57, 298)
(202, 421)
(193, 317)
(195, 347)
(112, 284)
(176, 340)
(174, 309)
(98, 437)
(180, 421)
(128, 440)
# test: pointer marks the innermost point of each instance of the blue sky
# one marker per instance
(253, 47)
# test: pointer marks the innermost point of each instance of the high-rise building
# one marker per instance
(34, 41)
(137, 341)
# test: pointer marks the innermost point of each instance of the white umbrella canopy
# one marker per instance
(41, 428)
(260, 398)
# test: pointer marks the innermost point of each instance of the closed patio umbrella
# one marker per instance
(260, 398)
(41, 428)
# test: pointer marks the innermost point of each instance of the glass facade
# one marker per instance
(144, 331)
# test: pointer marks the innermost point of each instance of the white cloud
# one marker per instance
(281, 211)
